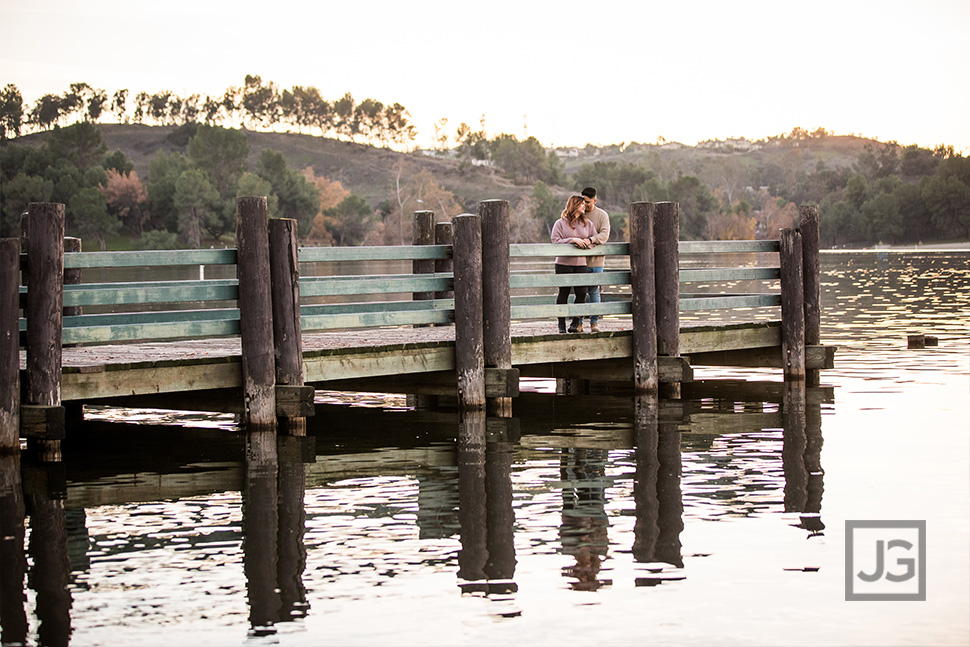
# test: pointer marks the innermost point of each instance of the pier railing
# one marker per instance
(461, 275)
(155, 310)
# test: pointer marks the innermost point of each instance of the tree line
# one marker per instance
(890, 194)
(256, 104)
(188, 197)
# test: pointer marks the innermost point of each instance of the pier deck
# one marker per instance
(399, 359)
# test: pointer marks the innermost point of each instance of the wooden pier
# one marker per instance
(265, 324)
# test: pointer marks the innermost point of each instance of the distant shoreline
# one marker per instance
(935, 247)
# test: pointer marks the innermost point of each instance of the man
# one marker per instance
(600, 220)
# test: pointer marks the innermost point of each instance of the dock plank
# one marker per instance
(105, 371)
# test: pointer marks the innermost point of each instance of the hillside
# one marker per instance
(366, 171)
(371, 172)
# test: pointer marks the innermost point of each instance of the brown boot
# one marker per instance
(594, 327)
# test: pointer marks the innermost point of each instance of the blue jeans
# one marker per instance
(593, 292)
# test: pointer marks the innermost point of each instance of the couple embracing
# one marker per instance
(584, 225)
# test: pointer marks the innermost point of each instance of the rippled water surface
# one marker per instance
(585, 520)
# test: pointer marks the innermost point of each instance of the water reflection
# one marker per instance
(655, 459)
(274, 524)
(486, 561)
(585, 526)
(657, 495)
(801, 457)
(13, 561)
(47, 547)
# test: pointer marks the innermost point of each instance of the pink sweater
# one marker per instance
(563, 232)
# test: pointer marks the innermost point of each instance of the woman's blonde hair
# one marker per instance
(575, 209)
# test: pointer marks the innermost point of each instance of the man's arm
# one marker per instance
(602, 229)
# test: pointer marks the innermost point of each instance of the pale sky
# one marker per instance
(568, 73)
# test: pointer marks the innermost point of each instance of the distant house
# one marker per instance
(729, 145)
(567, 151)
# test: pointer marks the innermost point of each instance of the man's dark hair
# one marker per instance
(589, 192)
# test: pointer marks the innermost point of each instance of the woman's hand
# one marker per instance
(582, 243)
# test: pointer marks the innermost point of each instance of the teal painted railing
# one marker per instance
(145, 309)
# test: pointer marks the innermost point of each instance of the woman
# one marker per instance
(572, 228)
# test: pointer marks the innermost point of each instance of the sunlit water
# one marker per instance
(726, 526)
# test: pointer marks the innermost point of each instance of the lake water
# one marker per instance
(596, 520)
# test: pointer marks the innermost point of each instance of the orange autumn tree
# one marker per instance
(127, 198)
(332, 193)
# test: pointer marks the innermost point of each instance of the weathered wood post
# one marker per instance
(42, 416)
(442, 236)
(255, 313)
(497, 307)
(808, 225)
(422, 233)
(646, 373)
(72, 276)
(469, 345)
(294, 401)
(73, 411)
(666, 228)
(9, 346)
(792, 305)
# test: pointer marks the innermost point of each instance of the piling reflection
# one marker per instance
(50, 573)
(801, 456)
(486, 560)
(657, 495)
(290, 538)
(274, 522)
(13, 560)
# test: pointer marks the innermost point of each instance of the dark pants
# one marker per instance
(580, 290)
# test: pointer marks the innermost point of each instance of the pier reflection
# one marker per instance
(584, 532)
(657, 495)
(801, 457)
(723, 450)
(274, 524)
(486, 561)
(50, 573)
(13, 560)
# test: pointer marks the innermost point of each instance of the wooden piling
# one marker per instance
(792, 305)
(9, 345)
(496, 295)
(255, 312)
(811, 277)
(442, 236)
(293, 399)
(422, 234)
(469, 344)
(73, 411)
(666, 229)
(44, 313)
(646, 373)
(72, 276)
